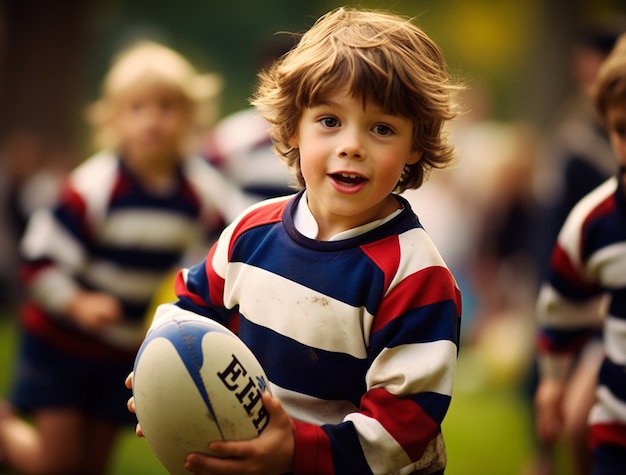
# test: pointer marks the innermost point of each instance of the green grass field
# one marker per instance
(487, 429)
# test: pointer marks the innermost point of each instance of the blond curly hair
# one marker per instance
(147, 64)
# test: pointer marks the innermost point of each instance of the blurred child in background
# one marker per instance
(338, 290)
(586, 285)
(123, 219)
(241, 144)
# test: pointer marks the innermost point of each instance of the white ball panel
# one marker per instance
(175, 417)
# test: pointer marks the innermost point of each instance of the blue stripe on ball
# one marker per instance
(187, 340)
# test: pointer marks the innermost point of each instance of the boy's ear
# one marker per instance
(293, 142)
(414, 157)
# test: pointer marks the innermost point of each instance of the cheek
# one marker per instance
(306, 167)
(619, 146)
(124, 129)
(312, 165)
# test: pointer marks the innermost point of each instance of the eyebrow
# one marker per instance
(372, 106)
(325, 102)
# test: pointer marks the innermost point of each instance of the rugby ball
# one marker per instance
(195, 382)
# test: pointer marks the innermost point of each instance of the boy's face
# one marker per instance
(152, 124)
(351, 159)
(616, 127)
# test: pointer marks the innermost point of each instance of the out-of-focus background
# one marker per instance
(524, 63)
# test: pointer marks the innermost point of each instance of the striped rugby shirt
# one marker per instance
(586, 287)
(108, 233)
(358, 337)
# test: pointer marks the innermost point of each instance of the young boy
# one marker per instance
(587, 284)
(124, 218)
(337, 289)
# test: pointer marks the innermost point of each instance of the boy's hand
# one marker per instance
(131, 403)
(270, 453)
(549, 410)
(93, 311)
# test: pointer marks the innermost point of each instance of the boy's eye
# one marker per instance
(382, 129)
(167, 105)
(620, 130)
(329, 122)
(135, 106)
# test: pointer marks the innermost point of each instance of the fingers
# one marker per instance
(129, 384)
(229, 456)
(271, 452)
(233, 450)
(201, 464)
(131, 405)
(271, 403)
(278, 416)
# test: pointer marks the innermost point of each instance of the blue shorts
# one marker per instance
(48, 378)
(609, 460)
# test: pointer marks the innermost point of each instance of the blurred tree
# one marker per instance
(41, 69)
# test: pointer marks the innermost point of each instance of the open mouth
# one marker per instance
(348, 179)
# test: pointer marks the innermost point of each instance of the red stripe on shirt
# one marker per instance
(428, 286)
(29, 271)
(547, 345)
(73, 201)
(216, 282)
(216, 291)
(316, 461)
(406, 421)
(564, 266)
(271, 213)
(602, 209)
(386, 255)
(609, 433)
(180, 288)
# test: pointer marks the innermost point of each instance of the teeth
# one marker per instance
(349, 175)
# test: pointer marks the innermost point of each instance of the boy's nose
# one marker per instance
(351, 147)
(347, 153)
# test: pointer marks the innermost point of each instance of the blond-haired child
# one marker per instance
(123, 219)
(587, 285)
(338, 290)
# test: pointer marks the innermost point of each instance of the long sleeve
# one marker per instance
(408, 389)
(54, 249)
